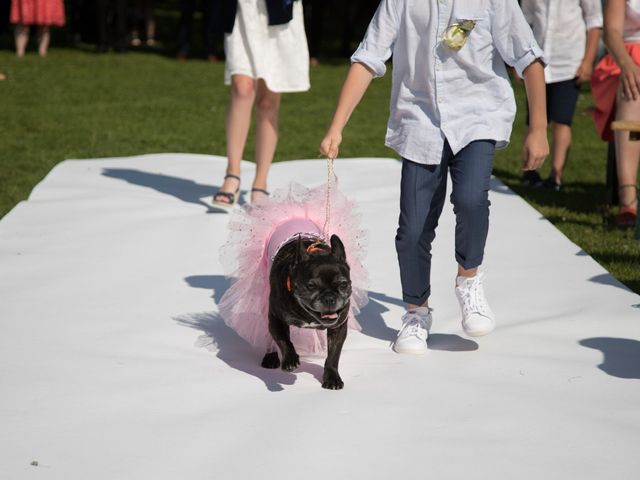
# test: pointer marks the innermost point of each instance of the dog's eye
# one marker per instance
(343, 285)
(311, 285)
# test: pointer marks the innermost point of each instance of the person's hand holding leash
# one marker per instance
(329, 147)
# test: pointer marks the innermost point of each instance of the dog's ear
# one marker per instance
(301, 252)
(337, 249)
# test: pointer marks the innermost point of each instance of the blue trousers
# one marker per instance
(422, 193)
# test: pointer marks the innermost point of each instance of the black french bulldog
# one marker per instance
(310, 288)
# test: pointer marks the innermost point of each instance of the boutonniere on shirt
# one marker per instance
(457, 34)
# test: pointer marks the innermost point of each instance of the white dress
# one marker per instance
(278, 54)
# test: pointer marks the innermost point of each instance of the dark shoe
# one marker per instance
(626, 217)
(531, 178)
(551, 183)
(227, 199)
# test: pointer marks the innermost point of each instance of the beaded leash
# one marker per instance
(327, 207)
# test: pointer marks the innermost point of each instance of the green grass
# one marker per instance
(75, 104)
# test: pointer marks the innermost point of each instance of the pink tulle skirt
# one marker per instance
(245, 305)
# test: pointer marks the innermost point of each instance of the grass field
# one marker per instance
(74, 104)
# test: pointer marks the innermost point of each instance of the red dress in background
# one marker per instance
(38, 12)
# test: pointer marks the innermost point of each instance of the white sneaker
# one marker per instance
(412, 337)
(477, 317)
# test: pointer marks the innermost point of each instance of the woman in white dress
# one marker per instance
(267, 54)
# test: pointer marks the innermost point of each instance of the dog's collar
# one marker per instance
(314, 247)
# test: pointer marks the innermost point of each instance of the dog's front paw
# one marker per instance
(331, 380)
(270, 360)
(290, 362)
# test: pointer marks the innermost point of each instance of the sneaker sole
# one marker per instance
(410, 351)
(478, 333)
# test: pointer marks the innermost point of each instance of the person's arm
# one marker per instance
(536, 145)
(356, 83)
(613, 28)
(585, 69)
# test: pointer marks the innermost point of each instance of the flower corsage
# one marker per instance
(457, 34)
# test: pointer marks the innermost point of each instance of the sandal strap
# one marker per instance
(229, 196)
(231, 175)
(261, 190)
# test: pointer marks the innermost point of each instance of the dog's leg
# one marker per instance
(271, 359)
(280, 333)
(335, 340)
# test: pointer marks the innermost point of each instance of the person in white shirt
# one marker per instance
(568, 31)
(451, 106)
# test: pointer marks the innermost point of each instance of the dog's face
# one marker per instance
(321, 283)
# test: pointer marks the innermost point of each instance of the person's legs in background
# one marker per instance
(314, 13)
(22, 39)
(267, 110)
(187, 9)
(212, 25)
(242, 96)
(44, 37)
(120, 43)
(562, 98)
(627, 158)
(561, 142)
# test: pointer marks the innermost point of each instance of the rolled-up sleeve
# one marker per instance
(376, 47)
(592, 13)
(513, 37)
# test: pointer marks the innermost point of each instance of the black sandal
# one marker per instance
(231, 197)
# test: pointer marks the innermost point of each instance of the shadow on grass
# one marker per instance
(578, 197)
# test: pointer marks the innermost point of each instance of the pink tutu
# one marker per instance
(246, 258)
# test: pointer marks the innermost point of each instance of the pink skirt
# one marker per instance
(38, 12)
(246, 259)
(604, 88)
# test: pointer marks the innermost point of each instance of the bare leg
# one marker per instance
(561, 144)
(238, 123)
(44, 37)
(22, 38)
(467, 273)
(627, 153)
(267, 109)
(150, 23)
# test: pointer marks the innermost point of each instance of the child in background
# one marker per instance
(568, 31)
(452, 105)
(42, 14)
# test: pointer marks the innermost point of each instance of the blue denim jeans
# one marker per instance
(422, 193)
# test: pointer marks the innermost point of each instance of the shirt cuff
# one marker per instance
(373, 63)
(534, 53)
(594, 22)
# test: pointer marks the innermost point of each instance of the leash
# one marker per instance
(327, 202)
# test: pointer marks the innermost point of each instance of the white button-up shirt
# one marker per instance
(439, 93)
(560, 27)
